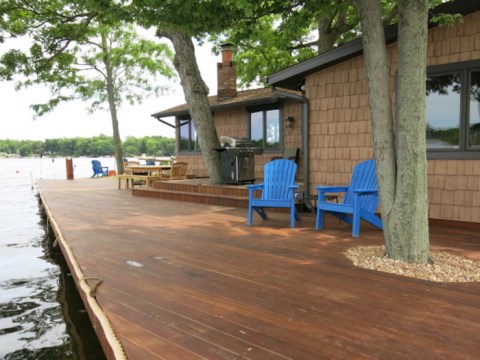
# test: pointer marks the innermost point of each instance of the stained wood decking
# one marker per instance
(191, 281)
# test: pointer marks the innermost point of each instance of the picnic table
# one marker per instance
(147, 173)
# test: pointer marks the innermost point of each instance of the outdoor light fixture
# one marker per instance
(289, 122)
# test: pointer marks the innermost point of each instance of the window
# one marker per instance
(443, 111)
(188, 135)
(474, 111)
(265, 128)
(453, 111)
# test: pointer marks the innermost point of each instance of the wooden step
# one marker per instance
(200, 192)
(202, 188)
(195, 197)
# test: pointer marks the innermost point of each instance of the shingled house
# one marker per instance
(327, 96)
(257, 114)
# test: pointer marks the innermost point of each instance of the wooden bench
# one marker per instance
(130, 179)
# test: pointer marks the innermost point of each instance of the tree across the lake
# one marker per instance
(92, 147)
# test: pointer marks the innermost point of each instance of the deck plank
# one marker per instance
(192, 281)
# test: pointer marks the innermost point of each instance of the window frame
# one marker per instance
(464, 152)
(264, 110)
(186, 121)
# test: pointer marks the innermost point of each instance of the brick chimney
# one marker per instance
(227, 74)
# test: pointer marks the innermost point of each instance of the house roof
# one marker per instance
(244, 98)
(293, 77)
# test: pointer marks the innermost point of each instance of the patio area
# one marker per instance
(184, 280)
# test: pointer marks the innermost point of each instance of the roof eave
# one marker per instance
(227, 106)
(250, 102)
(293, 77)
(169, 113)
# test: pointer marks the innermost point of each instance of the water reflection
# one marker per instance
(42, 316)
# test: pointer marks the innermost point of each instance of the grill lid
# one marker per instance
(227, 141)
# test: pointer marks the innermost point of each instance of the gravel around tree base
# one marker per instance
(446, 267)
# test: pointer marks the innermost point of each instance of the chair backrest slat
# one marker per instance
(279, 175)
(178, 170)
(363, 177)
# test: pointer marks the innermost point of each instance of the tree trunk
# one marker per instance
(327, 36)
(408, 226)
(400, 171)
(378, 72)
(196, 96)
(331, 25)
(117, 142)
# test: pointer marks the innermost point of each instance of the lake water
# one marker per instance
(41, 313)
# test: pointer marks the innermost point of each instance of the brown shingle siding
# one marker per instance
(450, 31)
(453, 58)
(461, 182)
(438, 33)
(448, 198)
(434, 211)
(446, 212)
(472, 183)
(476, 199)
(467, 43)
(452, 167)
(344, 118)
(446, 47)
(459, 198)
(455, 45)
(475, 216)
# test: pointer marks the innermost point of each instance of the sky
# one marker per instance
(72, 119)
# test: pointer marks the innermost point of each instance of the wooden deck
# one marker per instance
(192, 281)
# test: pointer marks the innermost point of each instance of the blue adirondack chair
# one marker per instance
(277, 189)
(360, 201)
(98, 169)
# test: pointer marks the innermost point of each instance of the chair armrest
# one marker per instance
(322, 190)
(325, 189)
(255, 187)
(291, 190)
(252, 188)
(365, 191)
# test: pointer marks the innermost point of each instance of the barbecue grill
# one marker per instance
(237, 160)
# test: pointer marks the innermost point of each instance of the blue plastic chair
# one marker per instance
(98, 169)
(359, 203)
(278, 190)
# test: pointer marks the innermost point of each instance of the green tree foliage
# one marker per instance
(151, 145)
(81, 51)
(273, 35)
(22, 147)
(82, 72)
(91, 147)
(283, 33)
